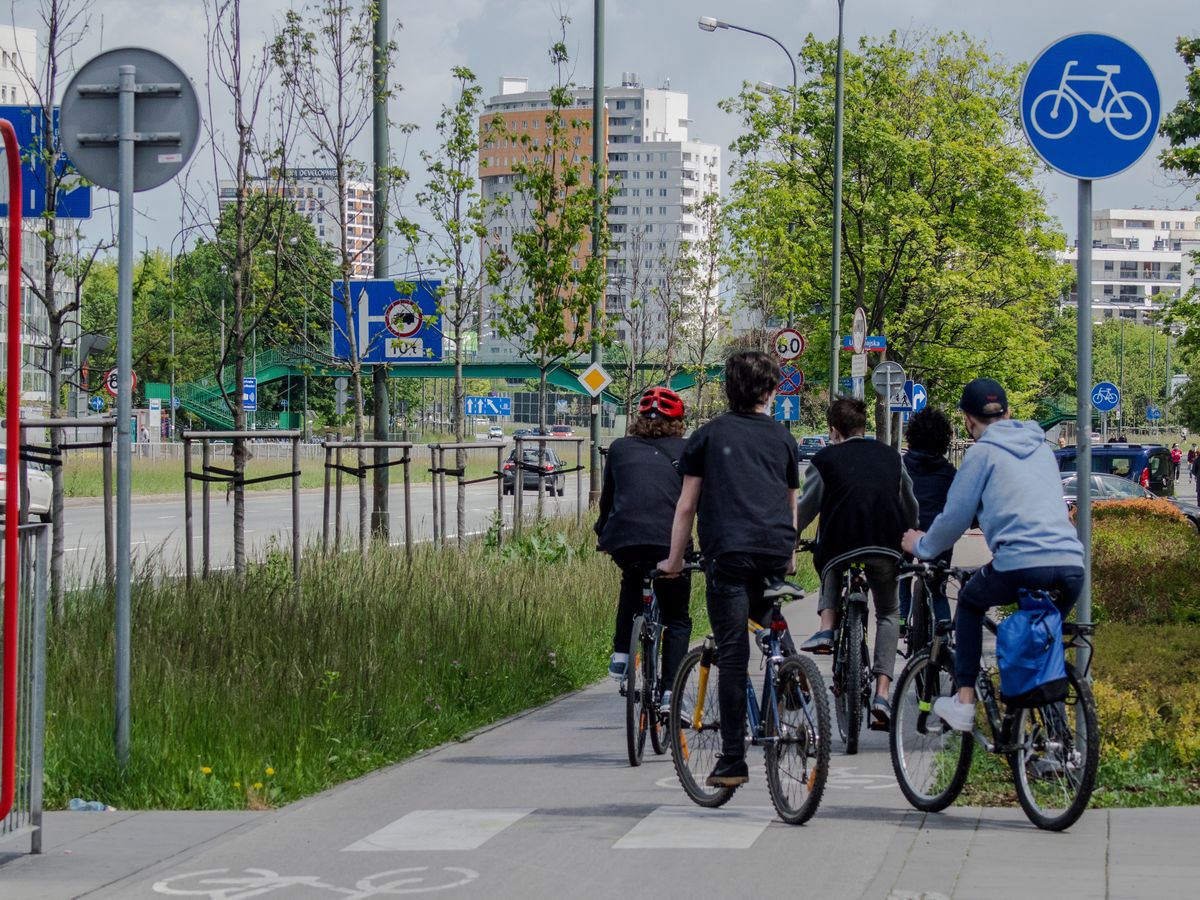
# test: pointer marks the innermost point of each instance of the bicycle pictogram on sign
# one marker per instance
(1055, 112)
(1106, 396)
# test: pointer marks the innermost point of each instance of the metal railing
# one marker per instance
(25, 816)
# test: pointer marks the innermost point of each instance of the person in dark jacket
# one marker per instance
(928, 435)
(862, 493)
(637, 507)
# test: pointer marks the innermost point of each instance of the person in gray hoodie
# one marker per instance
(1010, 481)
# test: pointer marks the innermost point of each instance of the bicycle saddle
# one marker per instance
(1110, 69)
(781, 589)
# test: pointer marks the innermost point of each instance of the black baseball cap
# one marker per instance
(984, 398)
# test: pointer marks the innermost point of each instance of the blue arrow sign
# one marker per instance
(918, 397)
(250, 394)
(488, 406)
(1105, 396)
(391, 325)
(787, 409)
(70, 204)
(1090, 105)
(96, 404)
(1153, 413)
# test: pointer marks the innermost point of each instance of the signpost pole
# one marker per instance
(1083, 404)
(125, 148)
(599, 166)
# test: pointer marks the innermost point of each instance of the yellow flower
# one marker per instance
(237, 785)
(205, 770)
(258, 785)
(270, 771)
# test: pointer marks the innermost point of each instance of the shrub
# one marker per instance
(1145, 564)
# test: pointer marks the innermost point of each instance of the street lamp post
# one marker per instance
(835, 311)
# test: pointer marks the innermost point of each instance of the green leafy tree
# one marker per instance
(946, 240)
(551, 282)
(453, 243)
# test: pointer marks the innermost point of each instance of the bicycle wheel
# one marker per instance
(657, 727)
(849, 682)
(1050, 122)
(636, 713)
(931, 760)
(696, 740)
(1055, 766)
(1135, 122)
(798, 757)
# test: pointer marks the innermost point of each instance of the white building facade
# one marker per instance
(313, 192)
(659, 177)
(1141, 261)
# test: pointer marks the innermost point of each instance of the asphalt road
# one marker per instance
(158, 522)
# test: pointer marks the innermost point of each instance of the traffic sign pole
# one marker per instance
(1083, 403)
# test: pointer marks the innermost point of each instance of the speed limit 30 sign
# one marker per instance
(789, 344)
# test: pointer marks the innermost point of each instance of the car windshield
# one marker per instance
(813, 442)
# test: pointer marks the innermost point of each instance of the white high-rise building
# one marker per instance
(313, 192)
(660, 176)
(1140, 260)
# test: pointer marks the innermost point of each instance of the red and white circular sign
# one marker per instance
(403, 318)
(110, 381)
(789, 344)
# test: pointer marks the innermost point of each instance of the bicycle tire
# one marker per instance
(931, 766)
(1047, 770)
(1050, 95)
(804, 725)
(920, 619)
(658, 734)
(1142, 104)
(636, 714)
(694, 751)
(851, 685)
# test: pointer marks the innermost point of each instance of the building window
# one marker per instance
(1108, 265)
(662, 210)
(662, 192)
(620, 104)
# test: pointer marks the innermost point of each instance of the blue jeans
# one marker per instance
(989, 587)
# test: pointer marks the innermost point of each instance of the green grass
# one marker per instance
(376, 662)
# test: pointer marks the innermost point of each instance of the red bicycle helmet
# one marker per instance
(661, 401)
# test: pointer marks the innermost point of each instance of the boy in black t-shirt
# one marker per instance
(740, 473)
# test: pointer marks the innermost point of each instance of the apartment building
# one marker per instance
(659, 176)
(1141, 260)
(313, 192)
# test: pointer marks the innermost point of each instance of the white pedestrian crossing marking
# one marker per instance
(441, 829)
(691, 828)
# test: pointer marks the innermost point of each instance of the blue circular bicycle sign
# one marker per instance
(1105, 396)
(1090, 105)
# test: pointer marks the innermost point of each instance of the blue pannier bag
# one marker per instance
(1029, 649)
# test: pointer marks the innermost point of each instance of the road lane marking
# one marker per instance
(690, 828)
(441, 829)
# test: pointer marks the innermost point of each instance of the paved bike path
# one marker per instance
(546, 805)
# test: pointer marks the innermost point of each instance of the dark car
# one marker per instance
(539, 465)
(521, 432)
(1114, 487)
(1146, 464)
(808, 447)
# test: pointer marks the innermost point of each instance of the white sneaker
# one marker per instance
(959, 716)
(617, 665)
(665, 703)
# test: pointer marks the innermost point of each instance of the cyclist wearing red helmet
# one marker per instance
(637, 505)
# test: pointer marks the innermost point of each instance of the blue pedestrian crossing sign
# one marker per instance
(488, 406)
(1090, 105)
(787, 409)
(250, 394)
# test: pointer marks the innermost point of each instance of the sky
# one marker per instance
(658, 39)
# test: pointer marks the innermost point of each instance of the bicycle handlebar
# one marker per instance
(926, 568)
(692, 562)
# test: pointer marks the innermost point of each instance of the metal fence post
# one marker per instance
(433, 467)
(37, 704)
(325, 503)
(187, 508)
(205, 543)
(337, 505)
(500, 494)
(579, 482)
(442, 490)
(296, 514)
(408, 537)
(110, 556)
(518, 486)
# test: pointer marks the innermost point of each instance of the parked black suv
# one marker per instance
(1147, 464)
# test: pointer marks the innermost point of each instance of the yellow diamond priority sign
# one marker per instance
(594, 379)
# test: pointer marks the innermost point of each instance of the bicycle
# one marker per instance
(642, 687)
(851, 671)
(791, 723)
(1114, 109)
(918, 632)
(1052, 750)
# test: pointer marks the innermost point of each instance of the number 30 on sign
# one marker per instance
(789, 344)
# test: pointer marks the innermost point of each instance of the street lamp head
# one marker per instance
(708, 23)
(765, 87)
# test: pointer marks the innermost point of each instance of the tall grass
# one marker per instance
(245, 697)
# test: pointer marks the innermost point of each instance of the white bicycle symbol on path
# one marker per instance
(1105, 396)
(220, 884)
(1055, 112)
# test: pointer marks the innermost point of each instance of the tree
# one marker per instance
(704, 320)
(453, 244)
(551, 280)
(1181, 127)
(324, 57)
(946, 240)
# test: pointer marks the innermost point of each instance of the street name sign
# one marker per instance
(488, 406)
(875, 343)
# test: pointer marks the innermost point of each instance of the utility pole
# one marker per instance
(379, 375)
(599, 166)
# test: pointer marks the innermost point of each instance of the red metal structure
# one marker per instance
(8, 728)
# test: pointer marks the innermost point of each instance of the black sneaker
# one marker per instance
(730, 771)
